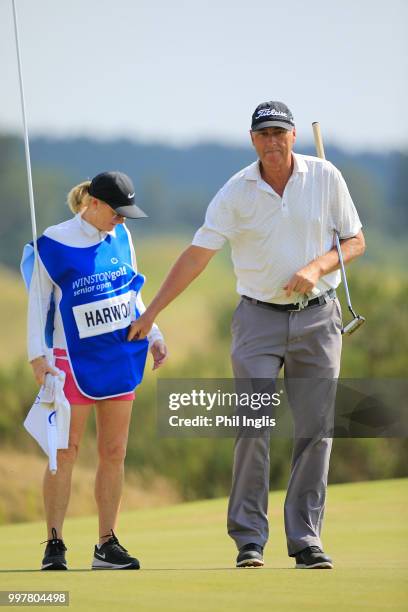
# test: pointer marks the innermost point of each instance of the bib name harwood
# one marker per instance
(104, 316)
(108, 314)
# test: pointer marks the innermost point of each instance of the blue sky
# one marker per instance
(188, 71)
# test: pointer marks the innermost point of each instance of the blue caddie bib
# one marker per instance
(99, 288)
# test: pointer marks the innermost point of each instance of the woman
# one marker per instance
(89, 292)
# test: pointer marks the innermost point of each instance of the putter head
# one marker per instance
(351, 327)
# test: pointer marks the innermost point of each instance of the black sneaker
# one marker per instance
(54, 556)
(112, 555)
(250, 555)
(313, 557)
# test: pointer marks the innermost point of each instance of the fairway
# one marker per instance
(187, 559)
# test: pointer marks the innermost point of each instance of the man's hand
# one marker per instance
(159, 353)
(304, 280)
(141, 327)
(41, 367)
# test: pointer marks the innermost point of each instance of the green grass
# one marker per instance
(187, 559)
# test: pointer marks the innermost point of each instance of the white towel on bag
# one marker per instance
(49, 418)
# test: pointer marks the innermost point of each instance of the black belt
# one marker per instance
(320, 300)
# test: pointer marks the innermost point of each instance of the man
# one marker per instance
(279, 215)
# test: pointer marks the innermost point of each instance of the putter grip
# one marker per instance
(318, 140)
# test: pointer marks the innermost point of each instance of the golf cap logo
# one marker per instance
(267, 112)
(272, 114)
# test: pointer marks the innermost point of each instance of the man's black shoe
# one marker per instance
(250, 555)
(313, 557)
(54, 556)
(112, 555)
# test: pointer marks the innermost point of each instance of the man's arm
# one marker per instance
(189, 265)
(305, 279)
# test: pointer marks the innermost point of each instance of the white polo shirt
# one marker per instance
(272, 237)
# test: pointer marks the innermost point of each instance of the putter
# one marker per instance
(358, 320)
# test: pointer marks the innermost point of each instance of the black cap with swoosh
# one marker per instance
(117, 190)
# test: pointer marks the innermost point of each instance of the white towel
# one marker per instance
(49, 418)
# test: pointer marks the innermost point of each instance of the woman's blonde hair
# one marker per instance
(78, 197)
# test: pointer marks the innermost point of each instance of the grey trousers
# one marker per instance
(308, 345)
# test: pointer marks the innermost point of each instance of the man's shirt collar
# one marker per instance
(299, 164)
(252, 173)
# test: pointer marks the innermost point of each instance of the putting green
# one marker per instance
(187, 559)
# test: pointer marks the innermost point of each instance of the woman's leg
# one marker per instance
(57, 487)
(112, 421)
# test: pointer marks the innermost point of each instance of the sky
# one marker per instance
(187, 71)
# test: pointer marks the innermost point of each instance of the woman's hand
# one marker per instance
(41, 367)
(159, 353)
